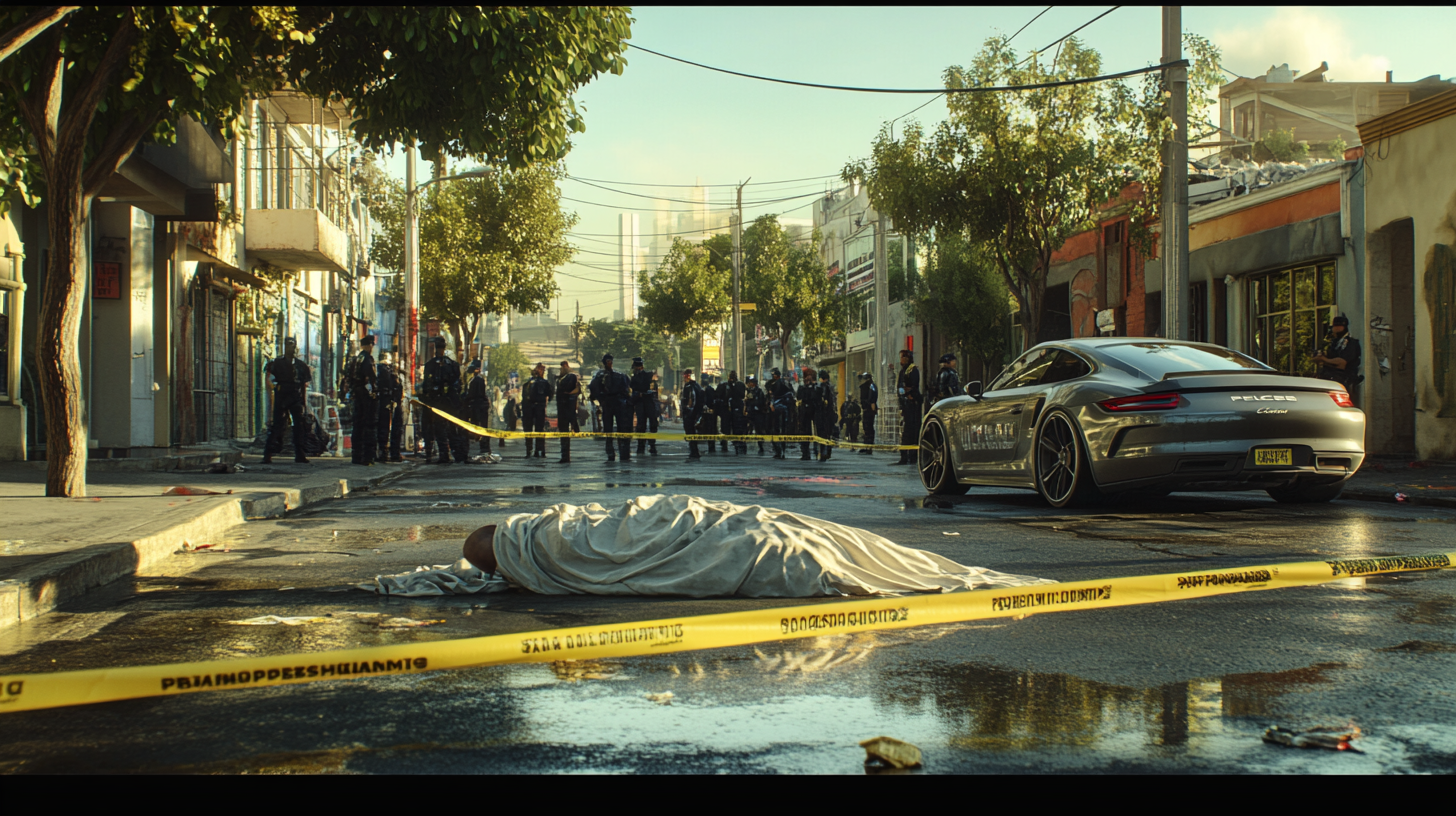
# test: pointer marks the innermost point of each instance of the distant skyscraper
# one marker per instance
(630, 259)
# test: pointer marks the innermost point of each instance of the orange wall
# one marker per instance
(1292, 209)
(1083, 243)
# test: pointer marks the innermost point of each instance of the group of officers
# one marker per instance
(626, 404)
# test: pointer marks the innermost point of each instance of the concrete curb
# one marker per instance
(1388, 497)
(44, 586)
(145, 463)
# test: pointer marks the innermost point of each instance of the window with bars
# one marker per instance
(1289, 311)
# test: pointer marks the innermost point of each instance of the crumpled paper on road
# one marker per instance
(460, 578)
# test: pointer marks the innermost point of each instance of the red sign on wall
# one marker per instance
(106, 280)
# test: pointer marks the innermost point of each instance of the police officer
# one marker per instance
(755, 409)
(611, 390)
(390, 430)
(568, 399)
(512, 413)
(477, 406)
(869, 406)
(907, 388)
(781, 410)
(690, 407)
(534, 395)
(644, 405)
(947, 381)
(824, 419)
(808, 396)
(849, 414)
(708, 420)
(363, 379)
(735, 417)
(290, 377)
(441, 392)
(1340, 360)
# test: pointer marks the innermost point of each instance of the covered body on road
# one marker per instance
(685, 545)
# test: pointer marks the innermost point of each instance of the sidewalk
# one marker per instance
(1380, 478)
(55, 549)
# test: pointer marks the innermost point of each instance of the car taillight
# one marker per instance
(1141, 402)
(1342, 399)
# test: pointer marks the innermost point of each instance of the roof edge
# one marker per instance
(1409, 117)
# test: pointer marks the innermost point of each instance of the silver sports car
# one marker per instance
(1078, 419)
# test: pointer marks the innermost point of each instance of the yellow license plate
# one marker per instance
(1273, 456)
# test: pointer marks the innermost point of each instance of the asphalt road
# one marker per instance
(1187, 686)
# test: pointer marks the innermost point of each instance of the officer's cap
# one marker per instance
(438, 341)
(1341, 321)
(864, 375)
(751, 379)
(947, 357)
(367, 340)
(636, 362)
(907, 353)
(474, 366)
(607, 356)
(776, 372)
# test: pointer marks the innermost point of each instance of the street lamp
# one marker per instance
(412, 273)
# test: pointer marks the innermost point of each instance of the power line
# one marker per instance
(706, 209)
(1028, 23)
(645, 184)
(688, 200)
(977, 89)
(1074, 31)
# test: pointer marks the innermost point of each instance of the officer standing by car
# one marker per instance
(363, 384)
(441, 393)
(534, 395)
(390, 430)
(807, 396)
(781, 410)
(290, 377)
(1340, 360)
(477, 406)
(568, 398)
(755, 409)
(690, 407)
(644, 405)
(612, 392)
(869, 406)
(907, 389)
(947, 380)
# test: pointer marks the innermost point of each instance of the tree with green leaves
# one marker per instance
(961, 293)
(787, 281)
(504, 359)
(688, 293)
(493, 84)
(1023, 171)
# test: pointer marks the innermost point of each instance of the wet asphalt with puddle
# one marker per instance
(1177, 687)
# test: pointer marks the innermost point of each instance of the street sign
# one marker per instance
(748, 307)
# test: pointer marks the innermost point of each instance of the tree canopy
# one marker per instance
(961, 293)
(688, 293)
(788, 282)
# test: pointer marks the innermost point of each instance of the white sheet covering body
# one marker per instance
(685, 545)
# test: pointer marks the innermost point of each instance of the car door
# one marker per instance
(988, 431)
(1062, 367)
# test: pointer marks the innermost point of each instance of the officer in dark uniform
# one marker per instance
(1340, 360)
(947, 381)
(708, 419)
(781, 410)
(612, 392)
(869, 406)
(644, 405)
(755, 408)
(390, 430)
(824, 419)
(734, 418)
(534, 395)
(849, 414)
(808, 396)
(477, 406)
(363, 379)
(690, 408)
(290, 377)
(907, 388)
(568, 398)
(440, 390)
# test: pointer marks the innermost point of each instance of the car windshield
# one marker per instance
(1158, 360)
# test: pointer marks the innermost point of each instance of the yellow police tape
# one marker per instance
(23, 692)
(496, 434)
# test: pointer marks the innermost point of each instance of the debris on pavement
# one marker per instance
(1331, 739)
(665, 698)
(355, 615)
(890, 752)
(460, 578)
(408, 623)
(183, 490)
(221, 467)
(947, 532)
(1400, 497)
(286, 620)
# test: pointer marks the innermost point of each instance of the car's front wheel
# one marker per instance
(1063, 474)
(936, 472)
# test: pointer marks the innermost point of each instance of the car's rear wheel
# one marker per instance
(1063, 474)
(1307, 494)
(936, 471)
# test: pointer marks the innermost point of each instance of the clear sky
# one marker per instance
(663, 122)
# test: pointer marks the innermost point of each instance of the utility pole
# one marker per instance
(1174, 218)
(738, 283)
(411, 292)
(882, 300)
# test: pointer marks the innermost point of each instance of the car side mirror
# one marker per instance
(973, 389)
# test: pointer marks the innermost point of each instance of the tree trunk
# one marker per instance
(62, 300)
(784, 350)
(453, 326)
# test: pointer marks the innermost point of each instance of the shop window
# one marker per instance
(1290, 311)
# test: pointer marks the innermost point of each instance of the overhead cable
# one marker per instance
(645, 184)
(1068, 36)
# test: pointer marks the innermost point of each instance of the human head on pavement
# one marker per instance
(367, 341)
(907, 357)
(947, 360)
(439, 346)
(607, 360)
(637, 363)
(1339, 325)
(290, 347)
(479, 549)
(474, 367)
